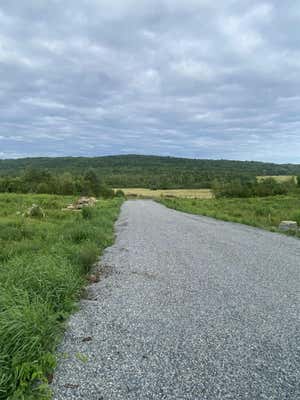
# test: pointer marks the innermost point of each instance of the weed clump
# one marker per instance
(87, 212)
(119, 193)
(34, 211)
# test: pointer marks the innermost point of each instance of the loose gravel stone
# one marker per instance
(188, 308)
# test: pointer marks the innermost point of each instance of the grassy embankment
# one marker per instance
(266, 212)
(178, 193)
(43, 264)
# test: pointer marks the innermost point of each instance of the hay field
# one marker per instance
(278, 178)
(178, 193)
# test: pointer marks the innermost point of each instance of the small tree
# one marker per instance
(92, 183)
(67, 184)
(42, 188)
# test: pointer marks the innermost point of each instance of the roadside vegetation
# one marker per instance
(263, 202)
(44, 262)
(263, 212)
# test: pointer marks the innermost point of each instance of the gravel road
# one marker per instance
(188, 308)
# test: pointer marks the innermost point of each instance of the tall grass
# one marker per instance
(265, 212)
(43, 263)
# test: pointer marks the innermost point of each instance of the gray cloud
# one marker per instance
(194, 78)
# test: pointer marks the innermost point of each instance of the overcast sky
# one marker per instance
(191, 78)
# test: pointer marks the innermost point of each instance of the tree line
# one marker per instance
(43, 181)
(149, 171)
(253, 188)
(90, 184)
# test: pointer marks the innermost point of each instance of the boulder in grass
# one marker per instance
(85, 202)
(288, 226)
(94, 278)
(81, 203)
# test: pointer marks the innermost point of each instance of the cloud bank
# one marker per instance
(194, 78)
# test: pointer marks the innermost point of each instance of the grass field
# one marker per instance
(43, 265)
(278, 178)
(263, 212)
(180, 193)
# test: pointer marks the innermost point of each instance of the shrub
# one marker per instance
(296, 217)
(119, 193)
(86, 256)
(35, 211)
(234, 188)
(106, 192)
(43, 188)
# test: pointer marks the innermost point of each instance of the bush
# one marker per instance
(86, 256)
(234, 188)
(35, 211)
(42, 188)
(119, 193)
(106, 192)
(270, 187)
(296, 217)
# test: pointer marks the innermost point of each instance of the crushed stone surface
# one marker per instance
(188, 308)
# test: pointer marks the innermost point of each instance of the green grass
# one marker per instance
(43, 264)
(263, 212)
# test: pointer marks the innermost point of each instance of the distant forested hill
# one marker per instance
(150, 171)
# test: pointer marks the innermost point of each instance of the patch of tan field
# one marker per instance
(278, 178)
(182, 193)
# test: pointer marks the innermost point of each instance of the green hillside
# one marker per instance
(150, 171)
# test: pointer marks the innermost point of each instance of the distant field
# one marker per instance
(278, 178)
(178, 193)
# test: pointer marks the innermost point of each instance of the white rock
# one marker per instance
(288, 226)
